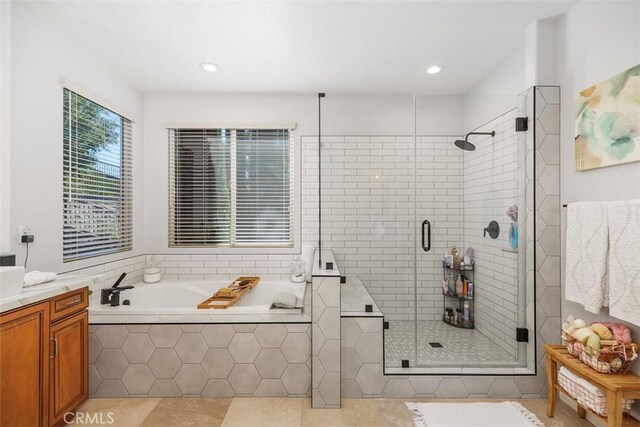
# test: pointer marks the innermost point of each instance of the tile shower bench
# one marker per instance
(361, 342)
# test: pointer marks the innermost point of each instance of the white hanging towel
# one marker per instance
(624, 260)
(587, 251)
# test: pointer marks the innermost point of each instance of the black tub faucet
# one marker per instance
(111, 295)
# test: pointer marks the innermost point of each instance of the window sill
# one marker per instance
(237, 250)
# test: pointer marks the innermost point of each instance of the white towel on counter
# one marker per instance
(624, 260)
(587, 255)
(36, 277)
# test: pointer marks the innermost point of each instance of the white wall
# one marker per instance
(496, 93)
(532, 64)
(540, 52)
(342, 115)
(41, 61)
(596, 40)
(5, 123)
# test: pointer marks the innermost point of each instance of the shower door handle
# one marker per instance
(426, 247)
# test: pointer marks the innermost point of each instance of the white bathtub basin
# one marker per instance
(183, 298)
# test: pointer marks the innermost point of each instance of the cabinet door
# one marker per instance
(24, 367)
(69, 365)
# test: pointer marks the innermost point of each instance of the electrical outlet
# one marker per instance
(23, 230)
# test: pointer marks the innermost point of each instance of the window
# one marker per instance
(230, 187)
(96, 180)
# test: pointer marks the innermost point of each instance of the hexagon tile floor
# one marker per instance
(281, 412)
(466, 347)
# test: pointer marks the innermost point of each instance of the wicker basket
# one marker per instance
(595, 402)
(608, 360)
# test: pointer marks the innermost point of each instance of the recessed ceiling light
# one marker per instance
(210, 67)
(435, 69)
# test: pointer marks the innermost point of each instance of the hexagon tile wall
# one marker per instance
(200, 360)
(325, 345)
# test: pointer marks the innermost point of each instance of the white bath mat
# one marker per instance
(480, 414)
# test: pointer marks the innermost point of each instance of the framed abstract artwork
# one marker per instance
(608, 122)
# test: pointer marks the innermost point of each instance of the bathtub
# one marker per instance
(176, 302)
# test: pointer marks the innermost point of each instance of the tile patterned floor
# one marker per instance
(283, 412)
(460, 347)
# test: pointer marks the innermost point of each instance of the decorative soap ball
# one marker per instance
(579, 323)
(616, 364)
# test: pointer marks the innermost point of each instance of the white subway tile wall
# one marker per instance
(490, 188)
(439, 199)
(367, 212)
(369, 216)
(110, 272)
(222, 266)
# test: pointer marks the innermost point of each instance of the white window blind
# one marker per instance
(97, 217)
(231, 187)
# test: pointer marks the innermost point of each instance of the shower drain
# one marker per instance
(436, 345)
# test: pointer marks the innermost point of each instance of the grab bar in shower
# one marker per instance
(427, 247)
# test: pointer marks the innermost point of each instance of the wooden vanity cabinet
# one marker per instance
(24, 366)
(44, 361)
(69, 371)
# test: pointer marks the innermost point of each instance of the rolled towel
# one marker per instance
(285, 300)
(36, 277)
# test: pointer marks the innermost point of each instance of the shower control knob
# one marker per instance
(493, 229)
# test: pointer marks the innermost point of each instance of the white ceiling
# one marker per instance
(338, 47)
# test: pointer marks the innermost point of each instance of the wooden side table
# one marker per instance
(617, 386)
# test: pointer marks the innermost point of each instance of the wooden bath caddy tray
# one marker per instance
(226, 297)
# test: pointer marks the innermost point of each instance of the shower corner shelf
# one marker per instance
(461, 299)
(466, 267)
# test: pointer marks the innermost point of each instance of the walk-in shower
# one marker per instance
(399, 197)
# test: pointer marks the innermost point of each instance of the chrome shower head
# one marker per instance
(466, 145)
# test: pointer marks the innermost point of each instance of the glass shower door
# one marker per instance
(439, 202)
(468, 309)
